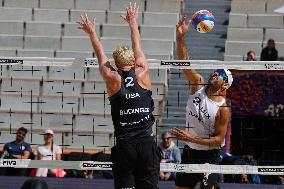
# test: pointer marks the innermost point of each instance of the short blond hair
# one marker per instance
(123, 55)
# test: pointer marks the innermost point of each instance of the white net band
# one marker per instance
(166, 167)
(164, 64)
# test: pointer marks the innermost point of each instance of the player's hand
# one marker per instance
(182, 27)
(131, 14)
(182, 135)
(86, 25)
(5, 155)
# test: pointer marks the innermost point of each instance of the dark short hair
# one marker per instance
(23, 129)
(35, 183)
(270, 40)
(250, 53)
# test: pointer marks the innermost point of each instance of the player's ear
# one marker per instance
(225, 86)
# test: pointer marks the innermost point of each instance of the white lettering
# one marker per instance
(132, 95)
(134, 111)
(129, 81)
(134, 123)
(122, 124)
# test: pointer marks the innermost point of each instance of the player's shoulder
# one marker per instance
(8, 144)
(25, 143)
(12, 143)
(112, 77)
(225, 109)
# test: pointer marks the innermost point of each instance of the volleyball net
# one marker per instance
(153, 63)
(166, 167)
(68, 95)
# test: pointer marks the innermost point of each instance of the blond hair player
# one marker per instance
(135, 156)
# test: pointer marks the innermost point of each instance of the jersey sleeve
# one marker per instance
(28, 147)
(5, 147)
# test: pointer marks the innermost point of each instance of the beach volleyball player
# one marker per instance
(207, 117)
(135, 156)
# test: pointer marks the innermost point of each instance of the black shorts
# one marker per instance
(136, 164)
(191, 156)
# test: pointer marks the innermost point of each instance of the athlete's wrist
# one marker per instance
(180, 38)
(133, 23)
(194, 139)
(93, 35)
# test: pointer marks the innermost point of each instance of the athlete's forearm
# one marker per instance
(18, 156)
(196, 80)
(136, 39)
(25, 156)
(98, 48)
(212, 141)
(182, 51)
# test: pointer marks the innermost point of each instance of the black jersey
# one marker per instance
(131, 108)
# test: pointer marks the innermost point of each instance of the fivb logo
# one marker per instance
(8, 163)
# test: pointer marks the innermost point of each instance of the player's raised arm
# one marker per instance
(195, 79)
(131, 18)
(181, 29)
(90, 28)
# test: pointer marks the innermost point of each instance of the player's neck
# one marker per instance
(19, 141)
(214, 94)
(48, 143)
(126, 68)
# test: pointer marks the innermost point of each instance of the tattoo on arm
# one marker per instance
(108, 65)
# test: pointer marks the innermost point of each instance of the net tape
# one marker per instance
(154, 63)
(166, 167)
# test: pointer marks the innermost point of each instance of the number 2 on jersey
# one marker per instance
(129, 81)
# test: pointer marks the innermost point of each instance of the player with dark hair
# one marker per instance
(207, 117)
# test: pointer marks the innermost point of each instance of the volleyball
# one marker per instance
(203, 21)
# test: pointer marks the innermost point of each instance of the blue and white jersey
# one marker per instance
(200, 117)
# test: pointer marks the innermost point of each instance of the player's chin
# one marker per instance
(216, 84)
